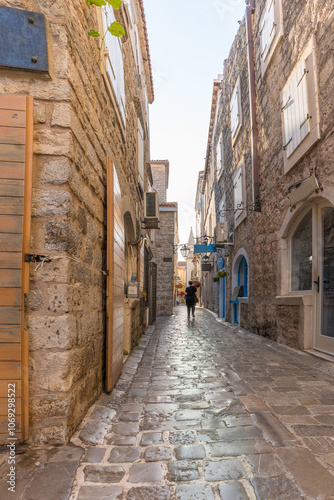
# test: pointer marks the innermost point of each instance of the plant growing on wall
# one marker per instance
(114, 28)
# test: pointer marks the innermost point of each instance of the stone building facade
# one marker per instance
(271, 156)
(89, 157)
(164, 241)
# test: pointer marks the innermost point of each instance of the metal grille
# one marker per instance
(153, 292)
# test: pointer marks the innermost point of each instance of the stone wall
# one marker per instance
(75, 128)
(262, 237)
(165, 260)
(160, 180)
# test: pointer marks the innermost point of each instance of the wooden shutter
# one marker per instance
(140, 151)
(268, 29)
(238, 198)
(235, 113)
(16, 139)
(296, 110)
(115, 279)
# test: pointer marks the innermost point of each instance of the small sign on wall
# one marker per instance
(133, 289)
(23, 40)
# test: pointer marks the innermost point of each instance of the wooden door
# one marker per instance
(16, 139)
(115, 279)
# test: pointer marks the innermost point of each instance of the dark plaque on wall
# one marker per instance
(23, 40)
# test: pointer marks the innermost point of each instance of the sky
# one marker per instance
(189, 41)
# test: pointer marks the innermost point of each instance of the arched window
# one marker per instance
(243, 278)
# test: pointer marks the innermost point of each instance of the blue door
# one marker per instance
(222, 297)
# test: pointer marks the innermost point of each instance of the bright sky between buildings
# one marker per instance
(189, 41)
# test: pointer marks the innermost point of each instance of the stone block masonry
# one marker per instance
(76, 126)
(164, 258)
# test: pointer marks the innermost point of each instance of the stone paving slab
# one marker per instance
(201, 411)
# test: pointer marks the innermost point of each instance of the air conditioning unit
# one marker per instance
(221, 234)
(151, 206)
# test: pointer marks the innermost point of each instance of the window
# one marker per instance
(219, 155)
(235, 108)
(271, 31)
(140, 151)
(300, 118)
(301, 255)
(113, 62)
(239, 195)
(243, 278)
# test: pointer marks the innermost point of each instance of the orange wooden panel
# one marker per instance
(27, 196)
(12, 118)
(13, 102)
(4, 427)
(4, 406)
(10, 315)
(10, 352)
(110, 278)
(12, 135)
(11, 224)
(10, 260)
(10, 296)
(11, 187)
(11, 170)
(25, 265)
(10, 242)
(4, 389)
(10, 278)
(10, 370)
(10, 333)
(12, 152)
(11, 206)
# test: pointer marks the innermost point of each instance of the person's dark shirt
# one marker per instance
(190, 291)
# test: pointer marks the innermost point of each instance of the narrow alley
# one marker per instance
(203, 410)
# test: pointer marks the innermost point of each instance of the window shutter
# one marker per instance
(114, 63)
(238, 193)
(296, 111)
(304, 111)
(235, 115)
(16, 144)
(141, 153)
(268, 29)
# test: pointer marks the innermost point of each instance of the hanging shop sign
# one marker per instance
(206, 267)
(205, 248)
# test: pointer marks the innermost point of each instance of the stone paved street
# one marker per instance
(202, 411)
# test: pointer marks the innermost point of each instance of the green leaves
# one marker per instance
(94, 33)
(99, 3)
(116, 29)
(115, 3)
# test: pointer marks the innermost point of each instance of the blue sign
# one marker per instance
(205, 248)
(23, 40)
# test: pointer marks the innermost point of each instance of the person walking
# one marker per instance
(191, 298)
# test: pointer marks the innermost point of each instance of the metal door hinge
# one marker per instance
(32, 257)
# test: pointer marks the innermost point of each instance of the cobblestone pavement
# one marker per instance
(202, 411)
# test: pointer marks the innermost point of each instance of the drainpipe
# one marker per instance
(252, 102)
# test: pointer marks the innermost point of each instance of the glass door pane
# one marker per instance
(327, 284)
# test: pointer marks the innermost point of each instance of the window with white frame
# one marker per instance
(219, 155)
(140, 150)
(114, 61)
(271, 31)
(300, 117)
(235, 109)
(239, 191)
